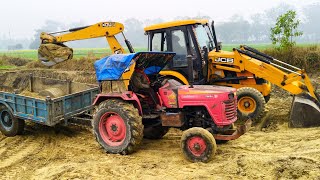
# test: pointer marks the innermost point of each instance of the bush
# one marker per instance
(13, 61)
(307, 58)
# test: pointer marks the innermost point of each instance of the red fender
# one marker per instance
(126, 96)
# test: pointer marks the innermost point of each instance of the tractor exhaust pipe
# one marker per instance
(190, 70)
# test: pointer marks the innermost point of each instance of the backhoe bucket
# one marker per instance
(305, 112)
(52, 54)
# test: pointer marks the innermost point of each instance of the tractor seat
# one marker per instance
(130, 88)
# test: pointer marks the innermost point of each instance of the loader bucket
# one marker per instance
(305, 112)
(52, 54)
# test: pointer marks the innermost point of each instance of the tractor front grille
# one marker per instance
(230, 107)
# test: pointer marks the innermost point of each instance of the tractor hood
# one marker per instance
(112, 67)
(206, 90)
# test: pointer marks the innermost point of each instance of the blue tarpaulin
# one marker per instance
(153, 70)
(112, 67)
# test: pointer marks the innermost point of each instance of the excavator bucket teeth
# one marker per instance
(52, 54)
(305, 112)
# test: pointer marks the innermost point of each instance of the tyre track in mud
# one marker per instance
(75, 154)
(22, 156)
(16, 153)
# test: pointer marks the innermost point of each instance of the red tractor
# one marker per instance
(205, 113)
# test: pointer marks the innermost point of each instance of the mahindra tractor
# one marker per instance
(205, 113)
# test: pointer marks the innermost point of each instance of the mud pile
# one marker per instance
(82, 64)
(55, 51)
(13, 61)
(44, 82)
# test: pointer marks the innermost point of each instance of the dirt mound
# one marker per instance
(45, 82)
(82, 64)
(13, 61)
(55, 51)
(295, 167)
(76, 76)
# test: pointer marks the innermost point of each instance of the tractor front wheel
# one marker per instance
(117, 126)
(250, 102)
(198, 145)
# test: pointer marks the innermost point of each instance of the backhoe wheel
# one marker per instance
(117, 126)
(9, 125)
(155, 132)
(198, 145)
(250, 102)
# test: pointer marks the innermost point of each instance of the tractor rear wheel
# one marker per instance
(198, 145)
(250, 102)
(155, 132)
(117, 126)
(9, 125)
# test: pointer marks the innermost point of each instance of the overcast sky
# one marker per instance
(21, 17)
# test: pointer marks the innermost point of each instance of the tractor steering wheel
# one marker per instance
(158, 82)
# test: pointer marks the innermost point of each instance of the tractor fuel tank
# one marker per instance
(172, 119)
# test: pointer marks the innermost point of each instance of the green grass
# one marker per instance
(101, 52)
(263, 46)
(7, 67)
(229, 47)
(81, 52)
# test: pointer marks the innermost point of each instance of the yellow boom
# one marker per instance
(52, 50)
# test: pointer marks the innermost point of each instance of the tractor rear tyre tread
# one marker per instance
(132, 120)
(259, 100)
(209, 140)
(14, 126)
(155, 132)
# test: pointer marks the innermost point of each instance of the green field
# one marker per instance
(81, 52)
(101, 52)
(7, 67)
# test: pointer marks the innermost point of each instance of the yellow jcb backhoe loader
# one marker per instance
(53, 51)
(200, 60)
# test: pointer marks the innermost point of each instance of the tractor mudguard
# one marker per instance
(126, 96)
(2, 103)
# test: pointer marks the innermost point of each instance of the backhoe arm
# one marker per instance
(294, 81)
(52, 50)
(305, 110)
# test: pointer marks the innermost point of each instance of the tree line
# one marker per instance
(237, 29)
